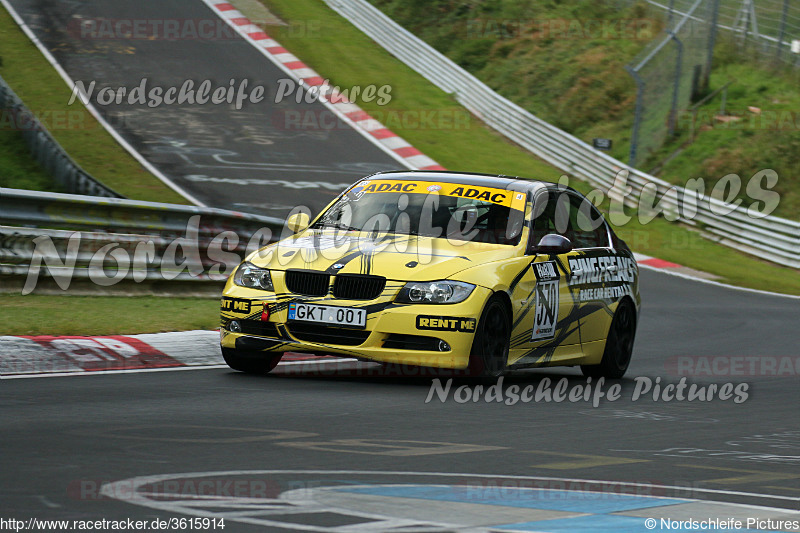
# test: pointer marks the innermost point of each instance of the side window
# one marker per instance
(586, 226)
(551, 215)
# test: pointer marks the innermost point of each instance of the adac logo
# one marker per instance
(338, 266)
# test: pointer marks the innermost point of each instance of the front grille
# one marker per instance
(307, 282)
(328, 334)
(358, 286)
(397, 341)
(257, 327)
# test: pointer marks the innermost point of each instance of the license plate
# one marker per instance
(328, 314)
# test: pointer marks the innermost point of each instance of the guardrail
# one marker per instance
(46, 150)
(109, 240)
(772, 238)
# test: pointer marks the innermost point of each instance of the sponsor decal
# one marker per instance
(607, 268)
(615, 274)
(483, 194)
(391, 186)
(603, 293)
(235, 305)
(546, 314)
(446, 323)
(546, 271)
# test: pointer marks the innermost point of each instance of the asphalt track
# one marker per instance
(305, 429)
(63, 438)
(208, 150)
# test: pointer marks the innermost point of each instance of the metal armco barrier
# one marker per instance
(46, 150)
(64, 236)
(772, 238)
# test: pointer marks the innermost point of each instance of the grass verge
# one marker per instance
(37, 314)
(44, 92)
(19, 169)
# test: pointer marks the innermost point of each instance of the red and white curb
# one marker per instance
(351, 113)
(45, 355)
(654, 263)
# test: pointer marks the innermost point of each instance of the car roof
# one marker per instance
(512, 183)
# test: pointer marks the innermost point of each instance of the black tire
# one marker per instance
(489, 355)
(251, 362)
(619, 345)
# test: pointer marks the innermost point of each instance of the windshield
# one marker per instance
(430, 209)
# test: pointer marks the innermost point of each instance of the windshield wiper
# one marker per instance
(344, 227)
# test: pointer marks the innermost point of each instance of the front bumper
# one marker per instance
(438, 336)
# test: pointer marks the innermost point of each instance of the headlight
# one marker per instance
(434, 292)
(249, 275)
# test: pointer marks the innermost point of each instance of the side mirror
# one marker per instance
(553, 244)
(297, 222)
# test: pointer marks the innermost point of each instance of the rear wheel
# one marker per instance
(619, 345)
(489, 354)
(252, 362)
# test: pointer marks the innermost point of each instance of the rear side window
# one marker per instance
(587, 228)
(569, 215)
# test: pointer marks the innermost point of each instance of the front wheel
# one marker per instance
(489, 355)
(252, 362)
(619, 345)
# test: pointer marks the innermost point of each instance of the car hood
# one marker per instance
(396, 257)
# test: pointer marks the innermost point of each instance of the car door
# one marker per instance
(600, 274)
(545, 328)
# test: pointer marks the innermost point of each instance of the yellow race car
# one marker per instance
(440, 269)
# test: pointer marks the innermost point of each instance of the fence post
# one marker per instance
(782, 30)
(637, 115)
(676, 86)
(670, 12)
(712, 41)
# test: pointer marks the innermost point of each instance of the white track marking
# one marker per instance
(268, 511)
(167, 369)
(132, 483)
